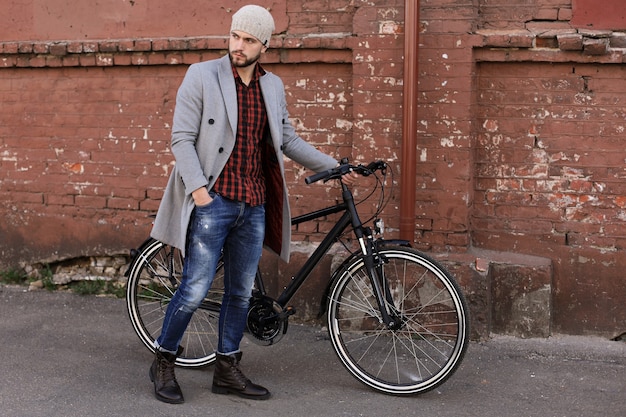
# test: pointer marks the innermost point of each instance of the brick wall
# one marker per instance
(84, 151)
(521, 152)
(549, 176)
(508, 15)
(84, 145)
(520, 148)
(444, 150)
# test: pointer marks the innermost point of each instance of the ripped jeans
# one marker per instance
(238, 229)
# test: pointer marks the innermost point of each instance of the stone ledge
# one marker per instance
(60, 48)
(555, 38)
(333, 48)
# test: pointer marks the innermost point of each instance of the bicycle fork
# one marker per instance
(380, 286)
(374, 270)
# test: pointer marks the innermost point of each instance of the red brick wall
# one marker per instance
(550, 177)
(518, 14)
(520, 127)
(524, 109)
(444, 157)
(84, 145)
(84, 151)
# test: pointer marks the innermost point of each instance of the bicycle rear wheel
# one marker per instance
(153, 278)
(432, 340)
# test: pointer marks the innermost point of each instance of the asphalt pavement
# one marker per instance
(76, 356)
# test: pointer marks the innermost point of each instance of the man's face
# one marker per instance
(244, 49)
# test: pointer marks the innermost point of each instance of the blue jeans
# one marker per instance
(238, 229)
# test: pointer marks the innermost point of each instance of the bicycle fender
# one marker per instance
(135, 252)
(393, 242)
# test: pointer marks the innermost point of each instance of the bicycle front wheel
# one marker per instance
(153, 278)
(427, 347)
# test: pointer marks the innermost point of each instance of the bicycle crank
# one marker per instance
(267, 320)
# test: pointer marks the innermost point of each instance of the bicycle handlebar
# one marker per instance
(344, 168)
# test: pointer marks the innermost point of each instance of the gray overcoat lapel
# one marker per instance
(229, 90)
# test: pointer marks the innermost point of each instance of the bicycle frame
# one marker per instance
(350, 216)
(319, 252)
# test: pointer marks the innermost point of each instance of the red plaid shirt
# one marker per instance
(242, 178)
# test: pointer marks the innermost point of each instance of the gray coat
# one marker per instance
(203, 137)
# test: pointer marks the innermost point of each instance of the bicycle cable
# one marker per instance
(381, 204)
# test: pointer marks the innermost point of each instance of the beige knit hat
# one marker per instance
(256, 21)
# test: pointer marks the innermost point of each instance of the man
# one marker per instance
(230, 131)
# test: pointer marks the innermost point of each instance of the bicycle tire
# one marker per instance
(433, 339)
(149, 291)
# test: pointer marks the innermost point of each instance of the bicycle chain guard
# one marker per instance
(267, 320)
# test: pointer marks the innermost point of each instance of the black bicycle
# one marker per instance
(396, 318)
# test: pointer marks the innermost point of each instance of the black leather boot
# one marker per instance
(228, 379)
(166, 387)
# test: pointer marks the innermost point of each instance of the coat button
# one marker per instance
(211, 178)
(211, 121)
(220, 150)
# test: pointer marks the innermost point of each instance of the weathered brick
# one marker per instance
(122, 203)
(618, 40)
(565, 13)
(25, 47)
(596, 46)
(54, 61)
(108, 46)
(90, 47)
(122, 59)
(160, 45)
(570, 42)
(104, 60)
(6, 62)
(36, 62)
(10, 47)
(58, 49)
(41, 48)
(71, 61)
(74, 47)
(508, 39)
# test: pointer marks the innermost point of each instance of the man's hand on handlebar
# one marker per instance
(350, 178)
(346, 172)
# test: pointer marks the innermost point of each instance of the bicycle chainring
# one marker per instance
(266, 321)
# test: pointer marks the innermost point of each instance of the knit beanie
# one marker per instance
(256, 21)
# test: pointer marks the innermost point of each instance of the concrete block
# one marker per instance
(521, 299)
(475, 285)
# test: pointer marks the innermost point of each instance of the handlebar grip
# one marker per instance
(316, 177)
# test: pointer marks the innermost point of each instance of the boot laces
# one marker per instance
(238, 374)
(166, 370)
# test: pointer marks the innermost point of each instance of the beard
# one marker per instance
(242, 60)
